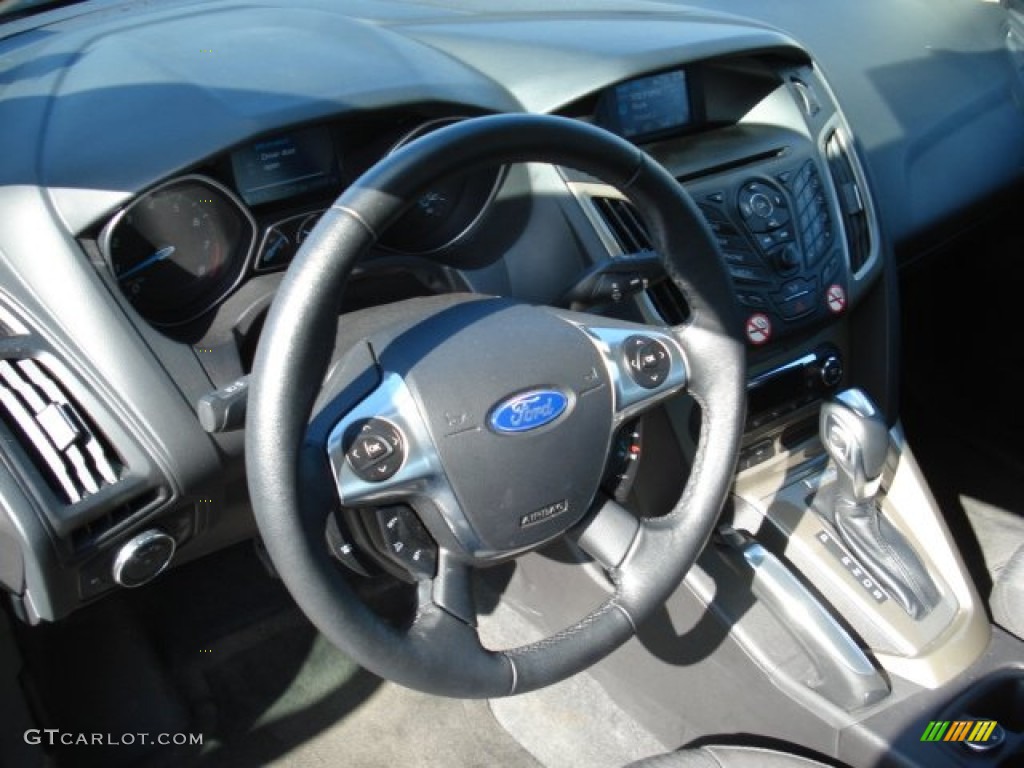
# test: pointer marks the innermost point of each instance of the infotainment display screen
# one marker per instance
(647, 107)
(285, 166)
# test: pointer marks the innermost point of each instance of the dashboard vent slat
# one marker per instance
(72, 457)
(851, 201)
(626, 226)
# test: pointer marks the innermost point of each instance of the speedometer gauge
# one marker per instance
(178, 250)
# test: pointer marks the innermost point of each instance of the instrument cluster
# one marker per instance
(178, 250)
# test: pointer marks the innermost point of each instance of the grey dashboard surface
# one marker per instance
(162, 88)
(117, 101)
(929, 89)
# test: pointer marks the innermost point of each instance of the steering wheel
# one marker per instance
(483, 425)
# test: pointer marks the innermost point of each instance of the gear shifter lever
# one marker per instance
(857, 439)
(855, 436)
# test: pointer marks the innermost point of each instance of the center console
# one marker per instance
(832, 609)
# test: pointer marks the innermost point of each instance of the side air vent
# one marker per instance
(630, 233)
(67, 451)
(851, 201)
(98, 530)
(625, 224)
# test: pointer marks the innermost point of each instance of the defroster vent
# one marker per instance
(67, 451)
(851, 201)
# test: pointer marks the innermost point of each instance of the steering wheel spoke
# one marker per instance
(452, 588)
(645, 363)
(607, 535)
(381, 450)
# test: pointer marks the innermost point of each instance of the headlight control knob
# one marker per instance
(141, 559)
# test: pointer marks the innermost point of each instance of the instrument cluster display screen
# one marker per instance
(285, 166)
(647, 107)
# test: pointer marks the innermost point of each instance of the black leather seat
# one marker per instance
(727, 757)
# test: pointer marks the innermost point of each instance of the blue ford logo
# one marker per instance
(529, 410)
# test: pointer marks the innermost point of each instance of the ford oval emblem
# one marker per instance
(529, 410)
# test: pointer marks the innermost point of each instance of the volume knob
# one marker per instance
(831, 371)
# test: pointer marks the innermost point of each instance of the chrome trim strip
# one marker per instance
(850, 680)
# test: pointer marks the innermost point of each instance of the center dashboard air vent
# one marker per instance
(73, 457)
(630, 233)
(851, 201)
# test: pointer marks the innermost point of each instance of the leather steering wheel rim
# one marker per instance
(439, 653)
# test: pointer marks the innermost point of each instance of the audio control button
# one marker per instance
(793, 288)
(647, 361)
(750, 299)
(375, 450)
(763, 207)
(786, 258)
(797, 306)
(749, 274)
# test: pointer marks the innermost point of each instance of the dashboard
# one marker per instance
(176, 156)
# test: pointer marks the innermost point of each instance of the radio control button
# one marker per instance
(647, 361)
(376, 450)
(749, 274)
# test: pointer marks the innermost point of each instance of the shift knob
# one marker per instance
(856, 437)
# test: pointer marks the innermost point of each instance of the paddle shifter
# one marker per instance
(856, 437)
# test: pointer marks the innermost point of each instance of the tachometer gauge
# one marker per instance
(178, 250)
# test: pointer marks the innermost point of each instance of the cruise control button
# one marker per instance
(405, 542)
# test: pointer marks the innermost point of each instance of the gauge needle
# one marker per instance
(156, 258)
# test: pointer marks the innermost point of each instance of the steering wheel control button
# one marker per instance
(647, 361)
(368, 450)
(142, 558)
(376, 450)
(401, 538)
(341, 548)
(758, 329)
